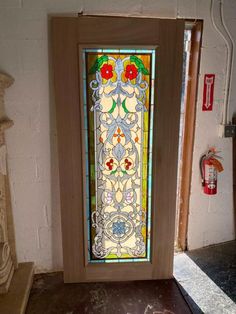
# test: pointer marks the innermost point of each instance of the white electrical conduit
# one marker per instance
(230, 57)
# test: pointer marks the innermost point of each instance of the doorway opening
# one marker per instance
(191, 61)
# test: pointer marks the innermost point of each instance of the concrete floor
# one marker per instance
(219, 263)
(50, 296)
(208, 277)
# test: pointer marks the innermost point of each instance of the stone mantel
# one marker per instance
(5, 124)
(8, 262)
(18, 277)
(5, 81)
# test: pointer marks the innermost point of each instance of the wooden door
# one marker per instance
(74, 41)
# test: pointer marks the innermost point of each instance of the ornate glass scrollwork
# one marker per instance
(118, 109)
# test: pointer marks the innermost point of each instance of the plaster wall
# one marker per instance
(32, 142)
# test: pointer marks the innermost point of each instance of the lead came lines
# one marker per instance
(119, 93)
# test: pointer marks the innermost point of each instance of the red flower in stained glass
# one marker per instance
(110, 164)
(127, 164)
(107, 71)
(131, 71)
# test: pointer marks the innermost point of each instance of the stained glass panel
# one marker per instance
(118, 120)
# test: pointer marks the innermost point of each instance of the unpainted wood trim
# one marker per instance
(65, 64)
(165, 156)
(188, 136)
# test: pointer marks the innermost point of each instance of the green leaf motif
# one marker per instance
(113, 107)
(139, 63)
(145, 71)
(124, 106)
(113, 172)
(97, 64)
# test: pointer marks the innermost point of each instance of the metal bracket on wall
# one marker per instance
(227, 130)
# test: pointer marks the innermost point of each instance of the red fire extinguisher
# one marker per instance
(209, 167)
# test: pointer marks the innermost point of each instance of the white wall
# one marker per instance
(32, 149)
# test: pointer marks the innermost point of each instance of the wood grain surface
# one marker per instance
(68, 34)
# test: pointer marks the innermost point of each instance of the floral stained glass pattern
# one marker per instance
(118, 115)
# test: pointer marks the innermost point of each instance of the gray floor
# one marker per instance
(219, 263)
(208, 278)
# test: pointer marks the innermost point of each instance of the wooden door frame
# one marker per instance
(67, 33)
(188, 133)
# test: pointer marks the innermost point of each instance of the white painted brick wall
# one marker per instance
(10, 4)
(32, 142)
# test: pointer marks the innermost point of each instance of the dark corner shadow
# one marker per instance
(219, 264)
(57, 263)
(195, 309)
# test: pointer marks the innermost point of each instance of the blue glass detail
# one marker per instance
(118, 228)
(127, 51)
(152, 96)
(153, 64)
(87, 206)
(143, 51)
(84, 68)
(111, 50)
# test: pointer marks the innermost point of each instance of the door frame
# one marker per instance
(67, 34)
(189, 131)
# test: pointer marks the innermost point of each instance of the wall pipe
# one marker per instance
(230, 57)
